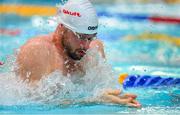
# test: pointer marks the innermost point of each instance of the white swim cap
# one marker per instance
(79, 16)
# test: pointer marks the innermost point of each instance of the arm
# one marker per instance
(108, 96)
(113, 96)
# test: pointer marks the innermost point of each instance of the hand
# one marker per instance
(113, 96)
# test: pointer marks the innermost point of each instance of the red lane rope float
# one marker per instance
(31, 10)
(142, 17)
(165, 20)
(1, 63)
(10, 32)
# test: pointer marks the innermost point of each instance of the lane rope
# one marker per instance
(31, 10)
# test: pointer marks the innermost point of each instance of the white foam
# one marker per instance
(56, 88)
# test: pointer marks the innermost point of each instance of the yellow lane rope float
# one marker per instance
(155, 36)
(27, 10)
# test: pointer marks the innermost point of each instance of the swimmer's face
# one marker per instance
(77, 44)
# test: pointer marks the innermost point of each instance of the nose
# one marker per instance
(85, 44)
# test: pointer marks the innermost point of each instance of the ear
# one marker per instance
(59, 28)
(61, 25)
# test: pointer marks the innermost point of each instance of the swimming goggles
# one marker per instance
(86, 37)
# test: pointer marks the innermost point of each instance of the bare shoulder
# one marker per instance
(38, 56)
(99, 45)
(36, 47)
(39, 39)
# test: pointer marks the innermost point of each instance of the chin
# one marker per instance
(79, 57)
(75, 57)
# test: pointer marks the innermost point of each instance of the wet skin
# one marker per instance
(62, 50)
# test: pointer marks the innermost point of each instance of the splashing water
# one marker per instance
(56, 88)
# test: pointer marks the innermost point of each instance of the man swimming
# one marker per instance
(63, 49)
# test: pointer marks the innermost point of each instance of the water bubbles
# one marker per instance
(62, 2)
(44, 24)
(37, 21)
(52, 22)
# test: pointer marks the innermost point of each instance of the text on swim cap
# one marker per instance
(92, 27)
(71, 13)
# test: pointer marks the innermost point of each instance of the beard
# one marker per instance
(74, 54)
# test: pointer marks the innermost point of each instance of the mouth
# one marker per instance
(81, 52)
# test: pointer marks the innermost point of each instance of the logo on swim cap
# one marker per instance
(92, 27)
(79, 16)
(71, 13)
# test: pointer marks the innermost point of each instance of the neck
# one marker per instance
(57, 38)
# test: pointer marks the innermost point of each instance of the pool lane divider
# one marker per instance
(134, 81)
(30, 10)
(10, 32)
(142, 17)
(154, 36)
(165, 20)
(1, 63)
(27, 10)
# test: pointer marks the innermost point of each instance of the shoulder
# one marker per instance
(37, 50)
(39, 40)
(96, 43)
(38, 43)
(39, 57)
(99, 45)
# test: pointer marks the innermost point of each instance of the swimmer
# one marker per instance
(64, 49)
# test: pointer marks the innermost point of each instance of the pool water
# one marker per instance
(151, 57)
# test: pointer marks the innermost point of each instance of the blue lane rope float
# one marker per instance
(142, 17)
(130, 81)
(124, 16)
